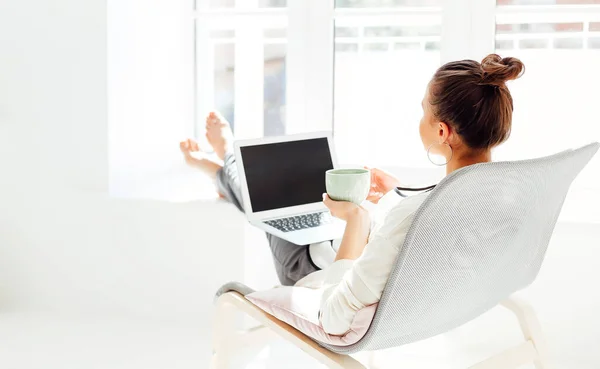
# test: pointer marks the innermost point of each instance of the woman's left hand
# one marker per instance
(343, 210)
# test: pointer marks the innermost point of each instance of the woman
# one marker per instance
(467, 111)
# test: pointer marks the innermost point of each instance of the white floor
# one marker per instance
(35, 341)
(566, 297)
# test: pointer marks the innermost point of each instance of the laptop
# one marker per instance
(283, 181)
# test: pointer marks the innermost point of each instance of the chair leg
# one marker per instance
(223, 332)
(532, 330)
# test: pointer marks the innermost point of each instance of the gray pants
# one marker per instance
(292, 262)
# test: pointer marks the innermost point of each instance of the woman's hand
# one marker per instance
(358, 224)
(382, 182)
(343, 210)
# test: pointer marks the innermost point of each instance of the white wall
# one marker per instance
(65, 245)
(53, 95)
(150, 89)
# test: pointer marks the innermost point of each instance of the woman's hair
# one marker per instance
(473, 98)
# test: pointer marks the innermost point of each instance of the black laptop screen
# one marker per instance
(286, 174)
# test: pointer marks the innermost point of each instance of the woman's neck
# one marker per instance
(461, 160)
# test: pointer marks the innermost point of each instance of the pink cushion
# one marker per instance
(299, 307)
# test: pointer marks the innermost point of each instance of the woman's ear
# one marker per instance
(443, 133)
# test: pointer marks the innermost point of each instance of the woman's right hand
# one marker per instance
(382, 182)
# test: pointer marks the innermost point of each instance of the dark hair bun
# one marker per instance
(498, 70)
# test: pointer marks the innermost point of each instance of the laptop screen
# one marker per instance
(286, 174)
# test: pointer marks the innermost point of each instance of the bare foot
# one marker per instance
(189, 146)
(219, 134)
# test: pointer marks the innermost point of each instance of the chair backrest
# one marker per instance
(480, 235)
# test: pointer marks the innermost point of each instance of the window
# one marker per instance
(241, 64)
(278, 67)
(360, 68)
(555, 102)
(383, 61)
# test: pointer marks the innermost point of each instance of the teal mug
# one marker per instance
(348, 184)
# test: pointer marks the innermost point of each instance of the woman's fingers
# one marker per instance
(376, 186)
(374, 178)
(327, 201)
(373, 199)
(375, 193)
(374, 196)
(382, 181)
(340, 209)
(330, 204)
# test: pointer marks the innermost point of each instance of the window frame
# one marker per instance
(311, 52)
(468, 31)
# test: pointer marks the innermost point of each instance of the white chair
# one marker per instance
(480, 236)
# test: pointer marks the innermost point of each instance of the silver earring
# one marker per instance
(429, 154)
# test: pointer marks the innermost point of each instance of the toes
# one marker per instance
(215, 119)
(189, 145)
(212, 119)
(209, 120)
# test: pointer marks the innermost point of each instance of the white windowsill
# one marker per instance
(181, 183)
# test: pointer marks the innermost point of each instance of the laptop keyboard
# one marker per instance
(301, 221)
